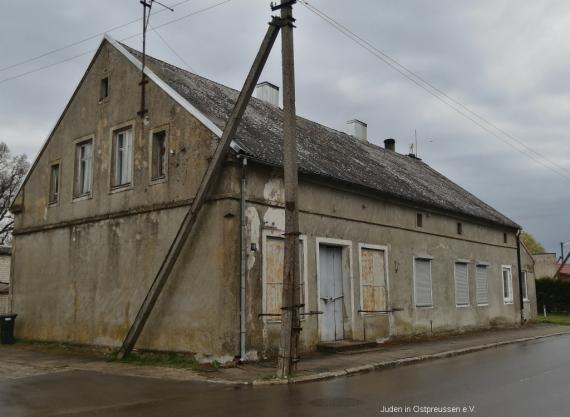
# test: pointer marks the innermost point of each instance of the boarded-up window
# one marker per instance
(507, 285)
(482, 294)
(274, 255)
(461, 284)
(373, 280)
(422, 282)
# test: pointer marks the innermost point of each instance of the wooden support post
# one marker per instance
(210, 177)
(290, 322)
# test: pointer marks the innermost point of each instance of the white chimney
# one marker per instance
(358, 129)
(267, 92)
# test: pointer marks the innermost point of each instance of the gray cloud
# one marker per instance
(507, 60)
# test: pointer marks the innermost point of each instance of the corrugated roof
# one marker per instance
(324, 151)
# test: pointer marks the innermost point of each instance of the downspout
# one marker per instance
(242, 305)
(520, 275)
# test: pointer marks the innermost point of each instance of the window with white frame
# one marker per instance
(507, 284)
(274, 262)
(122, 157)
(461, 284)
(83, 168)
(54, 174)
(481, 283)
(525, 286)
(422, 282)
(373, 280)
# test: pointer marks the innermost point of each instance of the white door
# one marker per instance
(331, 300)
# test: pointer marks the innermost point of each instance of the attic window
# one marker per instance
(419, 220)
(459, 228)
(505, 238)
(159, 155)
(104, 89)
(54, 184)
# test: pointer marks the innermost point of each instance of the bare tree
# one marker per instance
(13, 169)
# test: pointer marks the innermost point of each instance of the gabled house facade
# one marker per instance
(389, 247)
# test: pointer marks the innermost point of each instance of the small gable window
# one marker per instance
(104, 88)
(459, 228)
(54, 184)
(159, 155)
(419, 220)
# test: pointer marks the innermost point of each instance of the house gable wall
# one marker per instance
(82, 267)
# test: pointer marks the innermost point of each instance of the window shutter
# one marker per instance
(422, 288)
(461, 284)
(482, 286)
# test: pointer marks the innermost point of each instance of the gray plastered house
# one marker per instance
(107, 193)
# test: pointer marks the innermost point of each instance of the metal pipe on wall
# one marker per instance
(242, 299)
(520, 275)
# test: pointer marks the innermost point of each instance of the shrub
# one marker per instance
(554, 294)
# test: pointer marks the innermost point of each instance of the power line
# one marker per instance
(186, 64)
(61, 48)
(456, 105)
(4, 80)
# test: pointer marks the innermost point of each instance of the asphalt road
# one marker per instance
(527, 379)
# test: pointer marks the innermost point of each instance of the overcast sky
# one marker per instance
(509, 61)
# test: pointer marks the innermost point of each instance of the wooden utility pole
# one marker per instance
(290, 322)
(206, 184)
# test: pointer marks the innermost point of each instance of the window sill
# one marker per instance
(374, 314)
(54, 204)
(82, 198)
(462, 305)
(526, 300)
(483, 305)
(507, 302)
(159, 180)
(121, 188)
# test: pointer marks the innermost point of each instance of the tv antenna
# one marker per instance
(147, 6)
(414, 145)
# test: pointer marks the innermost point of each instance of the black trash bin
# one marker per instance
(7, 328)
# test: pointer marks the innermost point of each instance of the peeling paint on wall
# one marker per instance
(274, 218)
(274, 190)
(252, 226)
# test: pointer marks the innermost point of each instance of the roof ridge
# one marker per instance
(357, 141)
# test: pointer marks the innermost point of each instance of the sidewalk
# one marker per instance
(322, 366)
(19, 361)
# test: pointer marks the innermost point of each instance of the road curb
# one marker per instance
(396, 362)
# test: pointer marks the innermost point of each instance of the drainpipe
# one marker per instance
(520, 275)
(242, 306)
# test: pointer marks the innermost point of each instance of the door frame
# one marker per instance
(347, 276)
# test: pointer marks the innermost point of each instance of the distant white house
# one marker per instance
(5, 259)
